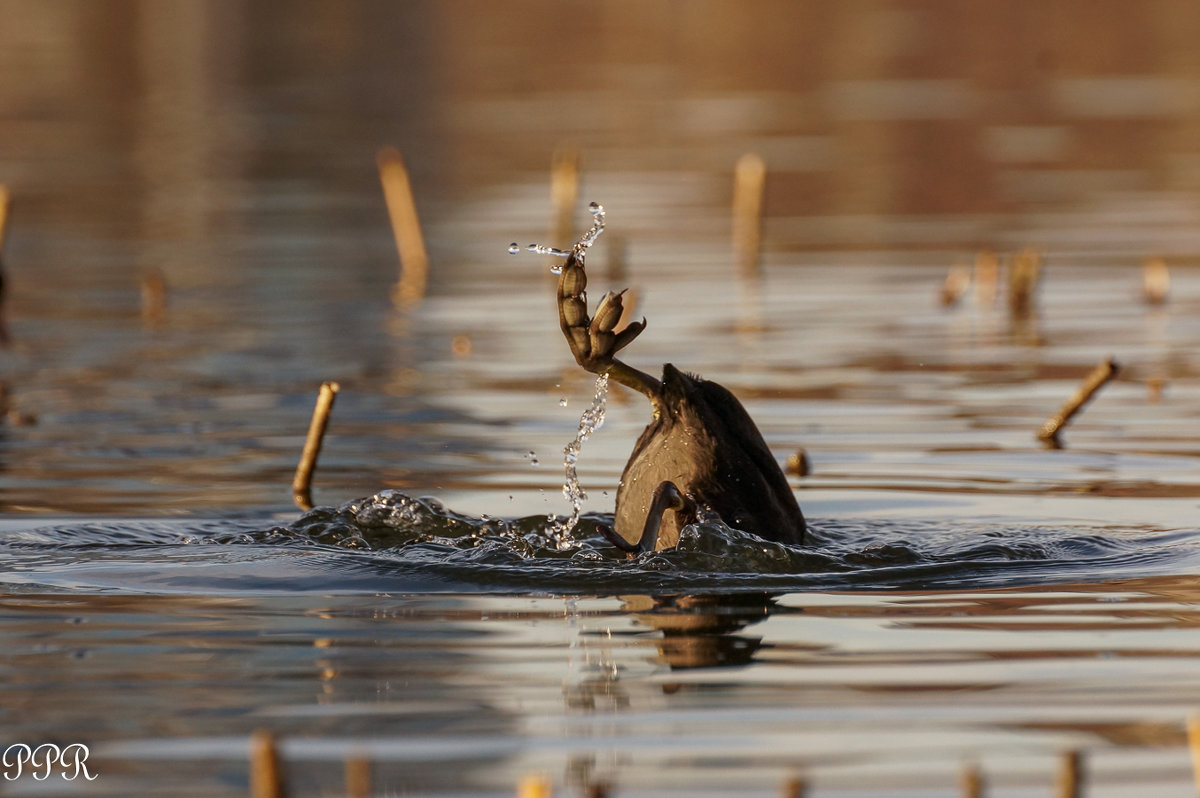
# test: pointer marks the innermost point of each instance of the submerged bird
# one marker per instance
(701, 450)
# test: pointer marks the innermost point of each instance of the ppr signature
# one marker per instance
(42, 760)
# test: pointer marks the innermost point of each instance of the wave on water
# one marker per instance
(396, 543)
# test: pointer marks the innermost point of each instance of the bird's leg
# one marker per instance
(593, 341)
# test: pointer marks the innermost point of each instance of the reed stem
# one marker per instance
(795, 787)
(1156, 280)
(1070, 775)
(972, 782)
(1193, 733)
(986, 277)
(5, 204)
(358, 777)
(406, 227)
(564, 194)
(750, 176)
(266, 776)
(1024, 274)
(302, 482)
(955, 286)
(154, 298)
(534, 785)
(1095, 380)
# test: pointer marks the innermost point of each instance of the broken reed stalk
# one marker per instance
(266, 775)
(958, 280)
(406, 227)
(794, 788)
(564, 194)
(1095, 380)
(1070, 775)
(987, 275)
(1193, 734)
(154, 298)
(1156, 280)
(534, 785)
(749, 178)
(302, 482)
(1023, 278)
(5, 204)
(798, 463)
(358, 777)
(972, 782)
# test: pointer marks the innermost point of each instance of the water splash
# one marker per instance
(577, 249)
(590, 420)
(559, 531)
(589, 238)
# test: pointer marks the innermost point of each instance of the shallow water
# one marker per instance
(968, 595)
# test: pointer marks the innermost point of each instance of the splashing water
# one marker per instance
(578, 248)
(590, 420)
(559, 532)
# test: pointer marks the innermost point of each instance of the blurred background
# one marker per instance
(227, 148)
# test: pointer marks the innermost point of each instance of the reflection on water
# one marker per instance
(884, 693)
(228, 149)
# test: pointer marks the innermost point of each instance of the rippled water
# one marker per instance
(393, 543)
(967, 595)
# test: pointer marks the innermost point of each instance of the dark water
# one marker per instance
(968, 595)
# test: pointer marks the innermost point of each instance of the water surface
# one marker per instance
(968, 595)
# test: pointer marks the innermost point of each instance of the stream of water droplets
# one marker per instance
(593, 417)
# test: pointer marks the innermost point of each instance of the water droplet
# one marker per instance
(556, 269)
(595, 208)
(531, 247)
(562, 402)
(514, 248)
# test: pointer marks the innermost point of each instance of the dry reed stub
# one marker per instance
(1193, 736)
(596, 791)
(266, 773)
(358, 777)
(955, 286)
(986, 278)
(794, 787)
(798, 463)
(1156, 280)
(534, 785)
(406, 227)
(971, 782)
(564, 193)
(1154, 389)
(5, 204)
(154, 298)
(749, 178)
(1096, 379)
(302, 482)
(1069, 782)
(1023, 277)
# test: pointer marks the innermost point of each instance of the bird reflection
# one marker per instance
(700, 631)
